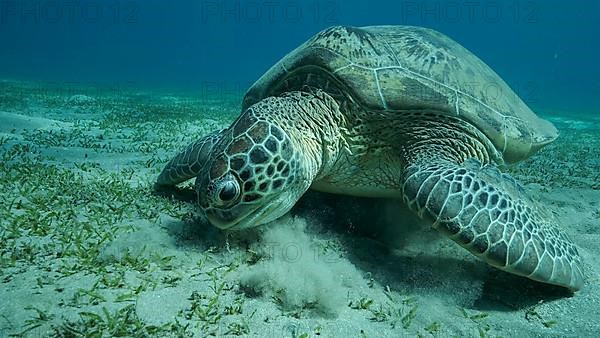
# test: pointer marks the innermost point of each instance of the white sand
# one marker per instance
(301, 275)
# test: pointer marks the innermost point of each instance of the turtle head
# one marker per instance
(254, 176)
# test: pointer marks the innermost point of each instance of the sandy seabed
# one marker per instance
(87, 248)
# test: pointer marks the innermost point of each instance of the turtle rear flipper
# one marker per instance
(188, 163)
(489, 214)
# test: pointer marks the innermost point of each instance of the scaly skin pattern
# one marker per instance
(386, 111)
(282, 146)
(489, 214)
(255, 170)
(189, 162)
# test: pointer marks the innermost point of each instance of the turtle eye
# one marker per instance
(229, 191)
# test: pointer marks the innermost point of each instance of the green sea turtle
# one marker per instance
(386, 111)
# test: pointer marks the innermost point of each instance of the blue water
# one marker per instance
(85, 246)
(546, 50)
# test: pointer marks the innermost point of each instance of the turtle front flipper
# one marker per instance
(188, 163)
(489, 214)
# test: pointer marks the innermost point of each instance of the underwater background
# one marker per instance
(97, 96)
(546, 50)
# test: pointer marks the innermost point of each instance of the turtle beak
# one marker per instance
(253, 215)
(237, 218)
